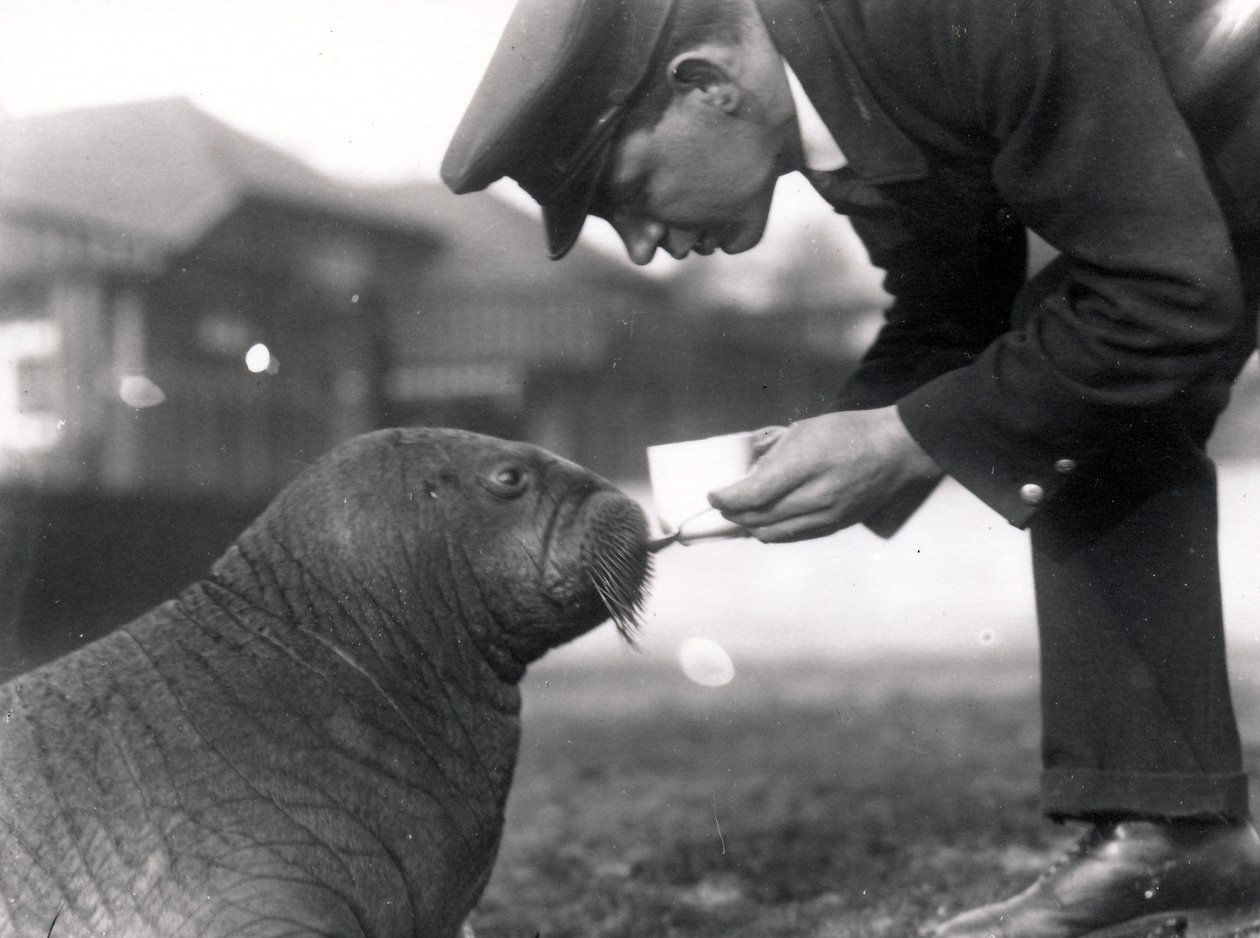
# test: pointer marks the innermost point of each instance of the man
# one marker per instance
(1127, 134)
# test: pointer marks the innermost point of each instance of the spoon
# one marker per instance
(659, 542)
(676, 535)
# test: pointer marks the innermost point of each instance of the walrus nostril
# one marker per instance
(616, 559)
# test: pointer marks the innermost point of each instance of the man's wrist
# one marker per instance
(915, 460)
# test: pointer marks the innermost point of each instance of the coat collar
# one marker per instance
(875, 147)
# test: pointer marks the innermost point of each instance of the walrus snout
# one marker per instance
(616, 558)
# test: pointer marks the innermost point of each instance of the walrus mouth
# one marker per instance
(617, 561)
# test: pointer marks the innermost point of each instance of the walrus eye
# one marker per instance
(507, 481)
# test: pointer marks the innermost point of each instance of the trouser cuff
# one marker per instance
(1089, 793)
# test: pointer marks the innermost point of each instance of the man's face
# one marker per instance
(699, 180)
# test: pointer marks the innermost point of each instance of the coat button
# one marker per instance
(1032, 493)
(1065, 466)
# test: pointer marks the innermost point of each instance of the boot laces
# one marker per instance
(1085, 844)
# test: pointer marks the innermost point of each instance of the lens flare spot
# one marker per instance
(259, 359)
(706, 662)
(139, 392)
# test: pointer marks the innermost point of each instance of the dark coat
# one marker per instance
(1125, 132)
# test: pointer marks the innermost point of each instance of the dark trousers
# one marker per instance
(1136, 709)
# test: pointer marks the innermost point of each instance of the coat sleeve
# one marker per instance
(954, 278)
(1092, 154)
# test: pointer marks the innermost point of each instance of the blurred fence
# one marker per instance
(75, 565)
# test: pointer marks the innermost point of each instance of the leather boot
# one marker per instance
(1135, 879)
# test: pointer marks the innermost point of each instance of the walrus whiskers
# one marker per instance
(619, 567)
(625, 610)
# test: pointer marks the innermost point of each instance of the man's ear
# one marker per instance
(694, 71)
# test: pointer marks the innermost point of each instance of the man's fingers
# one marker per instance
(799, 528)
(736, 497)
(769, 479)
(823, 474)
(809, 502)
(764, 439)
(758, 491)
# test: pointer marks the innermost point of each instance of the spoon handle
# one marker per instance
(657, 543)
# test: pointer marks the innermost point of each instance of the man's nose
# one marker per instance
(641, 238)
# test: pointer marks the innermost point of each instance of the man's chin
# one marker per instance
(743, 241)
(741, 247)
(749, 234)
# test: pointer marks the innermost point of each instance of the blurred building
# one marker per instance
(183, 308)
(502, 340)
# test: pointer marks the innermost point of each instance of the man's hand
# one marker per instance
(824, 474)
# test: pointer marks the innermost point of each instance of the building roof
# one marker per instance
(161, 171)
(503, 243)
(492, 293)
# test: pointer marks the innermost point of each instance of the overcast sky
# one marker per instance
(371, 89)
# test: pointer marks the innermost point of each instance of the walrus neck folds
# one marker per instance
(414, 552)
(394, 638)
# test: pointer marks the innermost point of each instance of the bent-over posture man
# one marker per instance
(1126, 133)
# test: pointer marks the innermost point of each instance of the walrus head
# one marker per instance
(454, 535)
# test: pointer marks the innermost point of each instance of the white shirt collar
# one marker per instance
(821, 151)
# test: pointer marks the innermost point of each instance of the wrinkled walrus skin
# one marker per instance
(318, 738)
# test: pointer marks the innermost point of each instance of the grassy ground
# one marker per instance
(813, 800)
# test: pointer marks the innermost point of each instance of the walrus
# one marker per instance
(318, 738)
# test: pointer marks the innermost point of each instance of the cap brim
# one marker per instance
(565, 214)
(560, 80)
(563, 227)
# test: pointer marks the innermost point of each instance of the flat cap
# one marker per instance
(550, 102)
